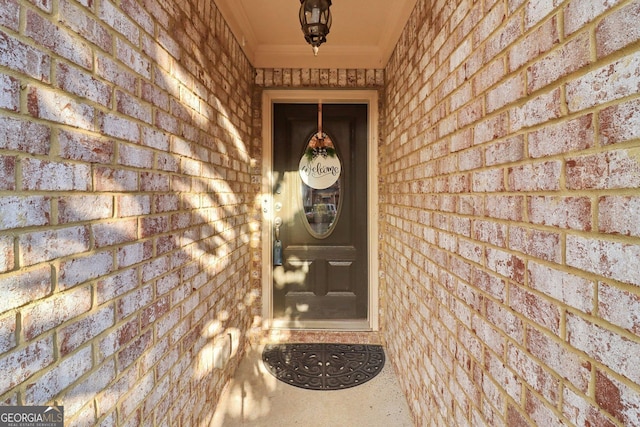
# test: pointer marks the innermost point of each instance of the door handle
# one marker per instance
(277, 244)
(277, 222)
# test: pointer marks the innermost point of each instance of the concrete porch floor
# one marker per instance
(255, 398)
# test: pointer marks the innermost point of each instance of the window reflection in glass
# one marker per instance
(321, 208)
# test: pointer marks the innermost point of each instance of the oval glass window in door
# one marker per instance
(320, 171)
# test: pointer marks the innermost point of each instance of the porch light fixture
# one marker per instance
(315, 19)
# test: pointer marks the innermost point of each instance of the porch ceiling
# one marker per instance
(363, 35)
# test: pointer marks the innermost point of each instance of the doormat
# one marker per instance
(323, 366)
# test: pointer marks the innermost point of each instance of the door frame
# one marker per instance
(275, 96)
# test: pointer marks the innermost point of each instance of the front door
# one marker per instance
(320, 270)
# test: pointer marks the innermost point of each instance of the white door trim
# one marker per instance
(369, 97)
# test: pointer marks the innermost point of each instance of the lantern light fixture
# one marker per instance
(315, 20)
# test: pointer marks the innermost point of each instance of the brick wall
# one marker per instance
(511, 245)
(125, 207)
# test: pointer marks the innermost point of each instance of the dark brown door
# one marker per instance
(324, 272)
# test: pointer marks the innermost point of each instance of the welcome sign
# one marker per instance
(320, 166)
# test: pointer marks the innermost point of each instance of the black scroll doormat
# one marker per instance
(323, 366)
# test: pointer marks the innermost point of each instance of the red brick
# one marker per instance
(84, 147)
(113, 72)
(25, 59)
(85, 25)
(75, 398)
(165, 203)
(114, 392)
(117, 339)
(505, 207)
(45, 175)
(579, 410)
(620, 307)
(506, 379)
(150, 181)
(24, 136)
(613, 169)
(65, 373)
(490, 232)
(144, 387)
(84, 330)
(9, 93)
(540, 244)
(135, 156)
(155, 139)
(566, 288)
(80, 270)
(44, 246)
(509, 33)
(558, 356)
(155, 96)
(7, 254)
(49, 105)
(608, 259)
(119, 127)
(133, 254)
(9, 14)
(565, 137)
(534, 44)
(155, 268)
(42, 4)
(489, 75)
(84, 208)
(538, 309)
(133, 205)
(114, 232)
(505, 151)
(78, 82)
(617, 399)
(55, 310)
(571, 56)
(132, 107)
(7, 173)
(492, 20)
(615, 351)
(618, 30)
(535, 177)
(167, 122)
(491, 180)
(537, 11)
(620, 122)
(536, 375)
(7, 332)
(578, 13)
(537, 110)
(506, 264)
(540, 411)
(490, 129)
(133, 59)
(117, 20)
(155, 311)
(619, 214)
(108, 179)
(58, 40)
(109, 288)
(505, 93)
(25, 287)
(24, 363)
(133, 302)
(136, 11)
(470, 114)
(597, 87)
